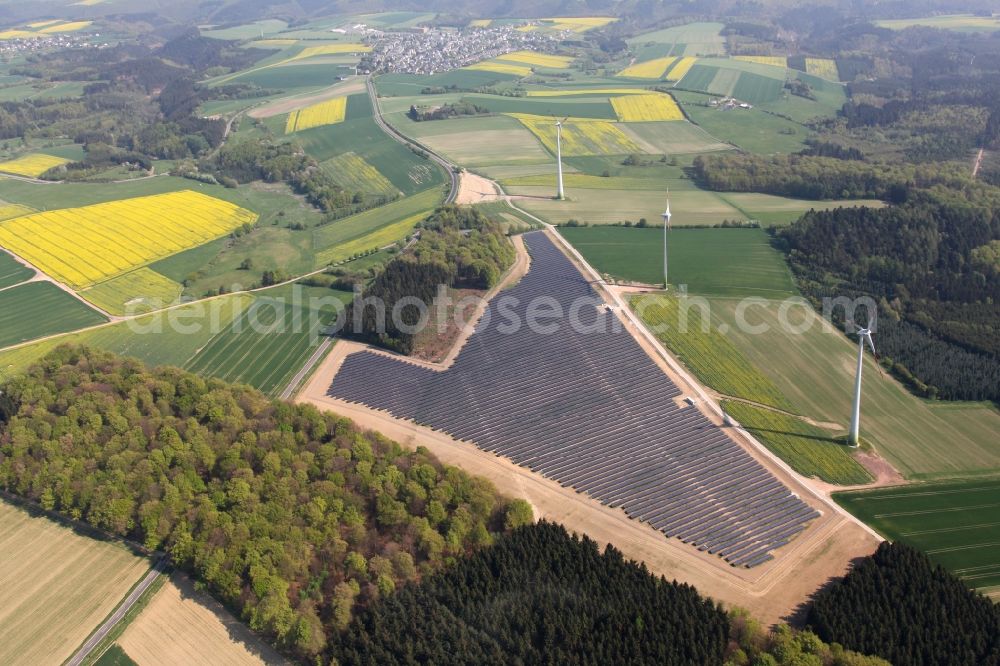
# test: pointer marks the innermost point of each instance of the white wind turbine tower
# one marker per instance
(560, 193)
(863, 334)
(666, 227)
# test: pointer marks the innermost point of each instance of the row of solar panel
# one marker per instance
(584, 405)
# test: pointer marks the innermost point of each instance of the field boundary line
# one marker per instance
(300, 377)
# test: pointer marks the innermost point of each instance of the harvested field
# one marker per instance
(58, 586)
(184, 626)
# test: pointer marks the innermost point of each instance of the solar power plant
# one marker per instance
(591, 411)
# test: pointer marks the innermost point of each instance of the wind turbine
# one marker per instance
(863, 334)
(666, 226)
(560, 193)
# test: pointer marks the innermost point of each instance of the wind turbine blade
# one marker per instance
(878, 361)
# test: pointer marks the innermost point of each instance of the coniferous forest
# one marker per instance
(899, 605)
(540, 596)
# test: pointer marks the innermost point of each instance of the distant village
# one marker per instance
(432, 50)
(21, 45)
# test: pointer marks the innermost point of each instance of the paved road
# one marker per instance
(309, 365)
(119, 613)
(401, 138)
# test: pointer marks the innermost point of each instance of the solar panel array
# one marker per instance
(592, 411)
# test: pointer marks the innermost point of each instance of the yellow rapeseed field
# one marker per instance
(42, 24)
(580, 136)
(651, 69)
(776, 61)
(823, 67)
(17, 34)
(32, 165)
(588, 91)
(578, 24)
(66, 27)
(646, 108)
(330, 112)
(500, 68)
(531, 27)
(86, 245)
(537, 59)
(9, 210)
(681, 68)
(480, 23)
(327, 49)
(135, 292)
(378, 238)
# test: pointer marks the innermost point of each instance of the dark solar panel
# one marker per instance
(591, 411)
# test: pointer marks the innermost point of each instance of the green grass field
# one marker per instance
(682, 325)
(12, 271)
(811, 451)
(702, 38)
(271, 341)
(672, 138)
(718, 262)
(477, 142)
(957, 524)
(753, 130)
(38, 309)
(813, 366)
(359, 134)
(328, 237)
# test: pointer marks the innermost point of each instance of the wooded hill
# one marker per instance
(290, 516)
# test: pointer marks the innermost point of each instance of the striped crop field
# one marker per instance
(588, 91)
(377, 239)
(580, 136)
(136, 292)
(86, 245)
(774, 61)
(355, 173)
(823, 68)
(536, 59)
(646, 108)
(329, 112)
(956, 523)
(651, 69)
(32, 165)
(681, 68)
(811, 451)
(267, 345)
(500, 68)
(704, 350)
